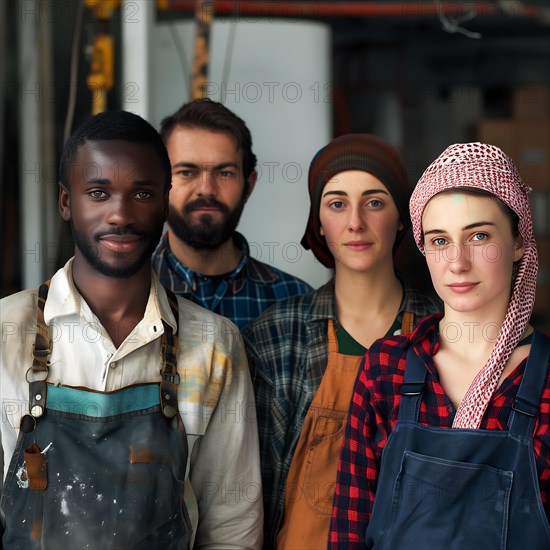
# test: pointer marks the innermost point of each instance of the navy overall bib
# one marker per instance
(98, 470)
(459, 489)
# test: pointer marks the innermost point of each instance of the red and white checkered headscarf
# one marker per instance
(486, 167)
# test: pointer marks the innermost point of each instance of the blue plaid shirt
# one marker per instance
(241, 295)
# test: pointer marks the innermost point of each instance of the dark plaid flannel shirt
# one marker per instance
(241, 296)
(287, 350)
(373, 415)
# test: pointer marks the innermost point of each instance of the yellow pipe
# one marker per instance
(103, 9)
(101, 79)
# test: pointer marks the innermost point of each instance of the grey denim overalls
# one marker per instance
(98, 470)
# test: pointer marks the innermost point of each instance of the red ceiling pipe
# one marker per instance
(315, 8)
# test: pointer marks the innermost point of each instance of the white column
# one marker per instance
(30, 96)
(137, 18)
(286, 104)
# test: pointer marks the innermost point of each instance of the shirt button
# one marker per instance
(113, 365)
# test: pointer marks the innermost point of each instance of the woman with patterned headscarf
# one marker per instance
(305, 353)
(448, 437)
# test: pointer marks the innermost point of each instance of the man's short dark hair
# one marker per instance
(211, 115)
(114, 125)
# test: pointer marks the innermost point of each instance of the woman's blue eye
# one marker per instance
(480, 236)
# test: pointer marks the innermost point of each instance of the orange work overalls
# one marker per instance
(312, 475)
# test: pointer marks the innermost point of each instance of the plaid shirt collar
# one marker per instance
(246, 269)
(324, 305)
(425, 339)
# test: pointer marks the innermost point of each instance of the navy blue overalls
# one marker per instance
(460, 489)
(98, 470)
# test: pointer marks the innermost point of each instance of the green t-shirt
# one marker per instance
(347, 345)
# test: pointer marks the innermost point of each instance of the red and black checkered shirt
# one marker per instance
(373, 415)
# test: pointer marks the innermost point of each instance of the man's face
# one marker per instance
(116, 205)
(208, 188)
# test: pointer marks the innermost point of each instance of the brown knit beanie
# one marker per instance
(364, 152)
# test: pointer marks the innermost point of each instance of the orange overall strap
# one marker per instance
(407, 323)
(312, 475)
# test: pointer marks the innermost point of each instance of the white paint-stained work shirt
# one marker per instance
(215, 397)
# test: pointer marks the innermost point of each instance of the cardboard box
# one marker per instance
(526, 142)
(533, 153)
(532, 102)
(499, 132)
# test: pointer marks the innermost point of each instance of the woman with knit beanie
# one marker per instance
(305, 353)
(447, 443)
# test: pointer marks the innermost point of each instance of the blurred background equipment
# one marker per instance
(204, 13)
(101, 77)
(422, 74)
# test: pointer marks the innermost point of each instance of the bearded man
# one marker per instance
(201, 256)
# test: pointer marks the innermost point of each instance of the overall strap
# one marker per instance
(407, 322)
(412, 387)
(525, 408)
(38, 373)
(42, 350)
(169, 363)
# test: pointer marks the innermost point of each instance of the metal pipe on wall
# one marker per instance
(316, 8)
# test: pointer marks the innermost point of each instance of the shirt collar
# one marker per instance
(64, 299)
(323, 306)
(406, 296)
(425, 337)
(247, 268)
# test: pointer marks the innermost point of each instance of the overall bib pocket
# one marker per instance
(436, 496)
(325, 449)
